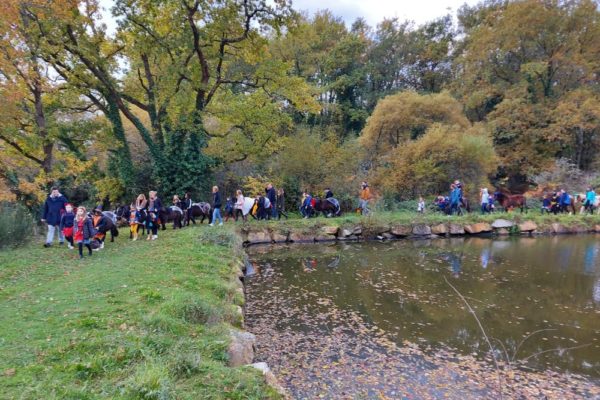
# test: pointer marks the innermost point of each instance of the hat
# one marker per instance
(69, 205)
(98, 209)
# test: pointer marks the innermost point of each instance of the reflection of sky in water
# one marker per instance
(517, 285)
(590, 258)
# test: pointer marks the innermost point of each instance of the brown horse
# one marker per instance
(511, 201)
(327, 207)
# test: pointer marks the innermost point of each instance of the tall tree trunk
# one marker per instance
(42, 128)
(124, 162)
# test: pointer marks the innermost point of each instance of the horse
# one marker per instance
(510, 201)
(328, 207)
(581, 198)
(109, 225)
(198, 210)
(122, 215)
(168, 214)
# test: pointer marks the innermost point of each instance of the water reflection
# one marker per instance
(542, 283)
(590, 258)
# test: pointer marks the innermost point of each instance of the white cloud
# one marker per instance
(419, 11)
(374, 11)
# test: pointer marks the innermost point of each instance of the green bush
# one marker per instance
(16, 225)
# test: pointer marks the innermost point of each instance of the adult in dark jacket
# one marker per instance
(272, 196)
(54, 207)
(217, 203)
(281, 204)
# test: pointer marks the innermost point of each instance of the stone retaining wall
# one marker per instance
(256, 234)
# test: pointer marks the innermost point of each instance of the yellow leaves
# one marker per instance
(442, 154)
(110, 187)
(403, 116)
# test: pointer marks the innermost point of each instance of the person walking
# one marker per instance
(590, 200)
(454, 198)
(66, 224)
(364, 198)
(421, 205)
(54, 207)
(239, 205)
(135, 217)
(272, 196)
(280, 204)
(485, 198)
(306, 206)
(152, 221)
(216, 206)
(83, 231)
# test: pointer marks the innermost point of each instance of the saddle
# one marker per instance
(335, 203)
(177, 209)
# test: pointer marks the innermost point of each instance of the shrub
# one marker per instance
(16, 225)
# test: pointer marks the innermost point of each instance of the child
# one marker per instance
(100, 224)
(134, 221)
(229, 212)
(546, 204)
(83, 231)
(421, 205)
(66, 224)
(152, 224)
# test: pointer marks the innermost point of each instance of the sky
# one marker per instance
(373, 11)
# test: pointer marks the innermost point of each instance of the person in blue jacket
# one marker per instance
(590, 200)
(54, 208)
(455, 195)
(564, 201)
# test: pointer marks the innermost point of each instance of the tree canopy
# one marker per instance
(186, 92)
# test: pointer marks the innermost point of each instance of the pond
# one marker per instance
(393, 320)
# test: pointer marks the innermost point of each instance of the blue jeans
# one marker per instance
(50, 235)
(273, 211)
(217, 215)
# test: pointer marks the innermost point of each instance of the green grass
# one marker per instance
(380, 219)
(137, 320)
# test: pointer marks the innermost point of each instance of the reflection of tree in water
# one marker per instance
(310, 264)
(589, 260)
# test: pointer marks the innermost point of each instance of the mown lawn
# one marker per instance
(137, 320)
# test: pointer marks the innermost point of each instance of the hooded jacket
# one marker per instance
(54, 207)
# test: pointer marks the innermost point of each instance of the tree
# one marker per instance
(406, 116)
(577, 120)
(444, 153)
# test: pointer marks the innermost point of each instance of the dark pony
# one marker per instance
(122, 215)
(109, 225)
(171, 214)
(328, 208)
(198, 210)
(510, 201)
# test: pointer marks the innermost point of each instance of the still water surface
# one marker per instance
(379, 319)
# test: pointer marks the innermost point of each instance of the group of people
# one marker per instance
(79, 228)
(448, 204)
(74, 225)
(561, 201)
(270, 205)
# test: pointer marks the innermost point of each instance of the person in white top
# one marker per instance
(485, 198)
(421, 205)
(239, 205)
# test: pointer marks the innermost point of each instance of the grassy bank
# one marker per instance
(141, 320)
(382, 219)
